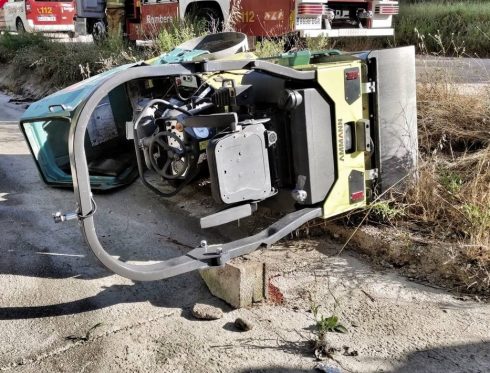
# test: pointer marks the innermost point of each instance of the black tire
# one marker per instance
(210, 19)
(99, 30)
(19, 26)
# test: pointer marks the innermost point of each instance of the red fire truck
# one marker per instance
(2, 19)
(332, 18)
(40, 15)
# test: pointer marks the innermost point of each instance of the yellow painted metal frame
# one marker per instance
(331, 79)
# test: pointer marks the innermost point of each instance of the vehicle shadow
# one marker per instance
(132, 223)
(178, 292)
(277, 369)
(473, 357)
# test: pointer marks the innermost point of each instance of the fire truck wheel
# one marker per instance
(210, 18)
(19, 26)
(99, 30)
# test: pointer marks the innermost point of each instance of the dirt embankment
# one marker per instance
(29, 86)
(456, 267)
(34, 65)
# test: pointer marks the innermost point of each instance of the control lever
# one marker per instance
(60, 217)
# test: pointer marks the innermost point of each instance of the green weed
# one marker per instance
(478, 217)
(62, 64)
(269, 47)
(387, 211)
(181, 31)
(329, 324)
(10, 44)
(324, 325)
(450, 180)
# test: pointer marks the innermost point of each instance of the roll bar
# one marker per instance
(201, 257)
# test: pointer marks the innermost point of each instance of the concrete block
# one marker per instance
(237, 283)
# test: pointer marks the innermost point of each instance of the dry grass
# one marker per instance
(452, 194)
(439, 228)
(449, 205)
(450, 120)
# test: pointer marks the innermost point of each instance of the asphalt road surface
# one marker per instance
(453, 70)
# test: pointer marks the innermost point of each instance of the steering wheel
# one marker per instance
(160, 150)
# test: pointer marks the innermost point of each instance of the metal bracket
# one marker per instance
(362, 136)
(227, 215)
(371, 174)
(369, 87)
(213, 256)
(129, 130)
(60, 217)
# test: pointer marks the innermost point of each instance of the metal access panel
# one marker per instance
(396, 115)
(239, 166)
(313, 152)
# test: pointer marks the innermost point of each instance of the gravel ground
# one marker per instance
(59, 312)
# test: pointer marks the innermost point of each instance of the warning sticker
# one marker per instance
(102, 126)
(274, 16)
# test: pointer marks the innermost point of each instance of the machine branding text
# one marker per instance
(340, 139)
(158, 19)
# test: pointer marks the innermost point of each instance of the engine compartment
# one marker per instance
(247, 133)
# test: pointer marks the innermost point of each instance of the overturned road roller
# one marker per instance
(317, 133)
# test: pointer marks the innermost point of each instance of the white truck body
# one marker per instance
(39, 16)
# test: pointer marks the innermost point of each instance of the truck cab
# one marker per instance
(40, 16)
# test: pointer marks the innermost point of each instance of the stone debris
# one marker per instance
(349, 352)
(242, 324)
(206, 312)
